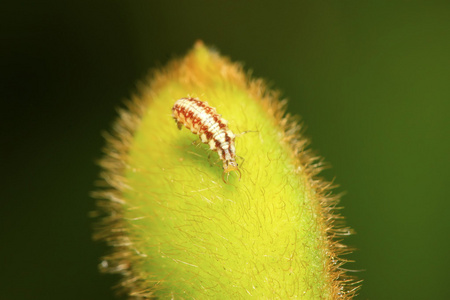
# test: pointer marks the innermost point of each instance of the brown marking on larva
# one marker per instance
(217, 119)
(195, 121)
(202, 119)
(218, 145)
(208, 134)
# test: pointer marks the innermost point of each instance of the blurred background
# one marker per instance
(370, 79)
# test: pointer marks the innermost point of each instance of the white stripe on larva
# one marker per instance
(204, 121)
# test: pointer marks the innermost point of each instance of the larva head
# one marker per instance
(229, 166)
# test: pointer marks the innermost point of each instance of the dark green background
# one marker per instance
(371, 80)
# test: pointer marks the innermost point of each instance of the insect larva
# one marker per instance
(204, 121)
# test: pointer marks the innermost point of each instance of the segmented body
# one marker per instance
(212, 129)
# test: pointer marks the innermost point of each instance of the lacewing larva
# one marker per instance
(203, 120)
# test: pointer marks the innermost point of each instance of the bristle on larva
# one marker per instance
(212, 129)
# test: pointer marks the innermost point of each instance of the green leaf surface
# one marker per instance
(179, 231)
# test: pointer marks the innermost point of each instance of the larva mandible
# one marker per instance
(212, 129)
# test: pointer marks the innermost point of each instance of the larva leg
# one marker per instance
(243, 160)
(196, 143)
(210, 160)
(244, 132)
